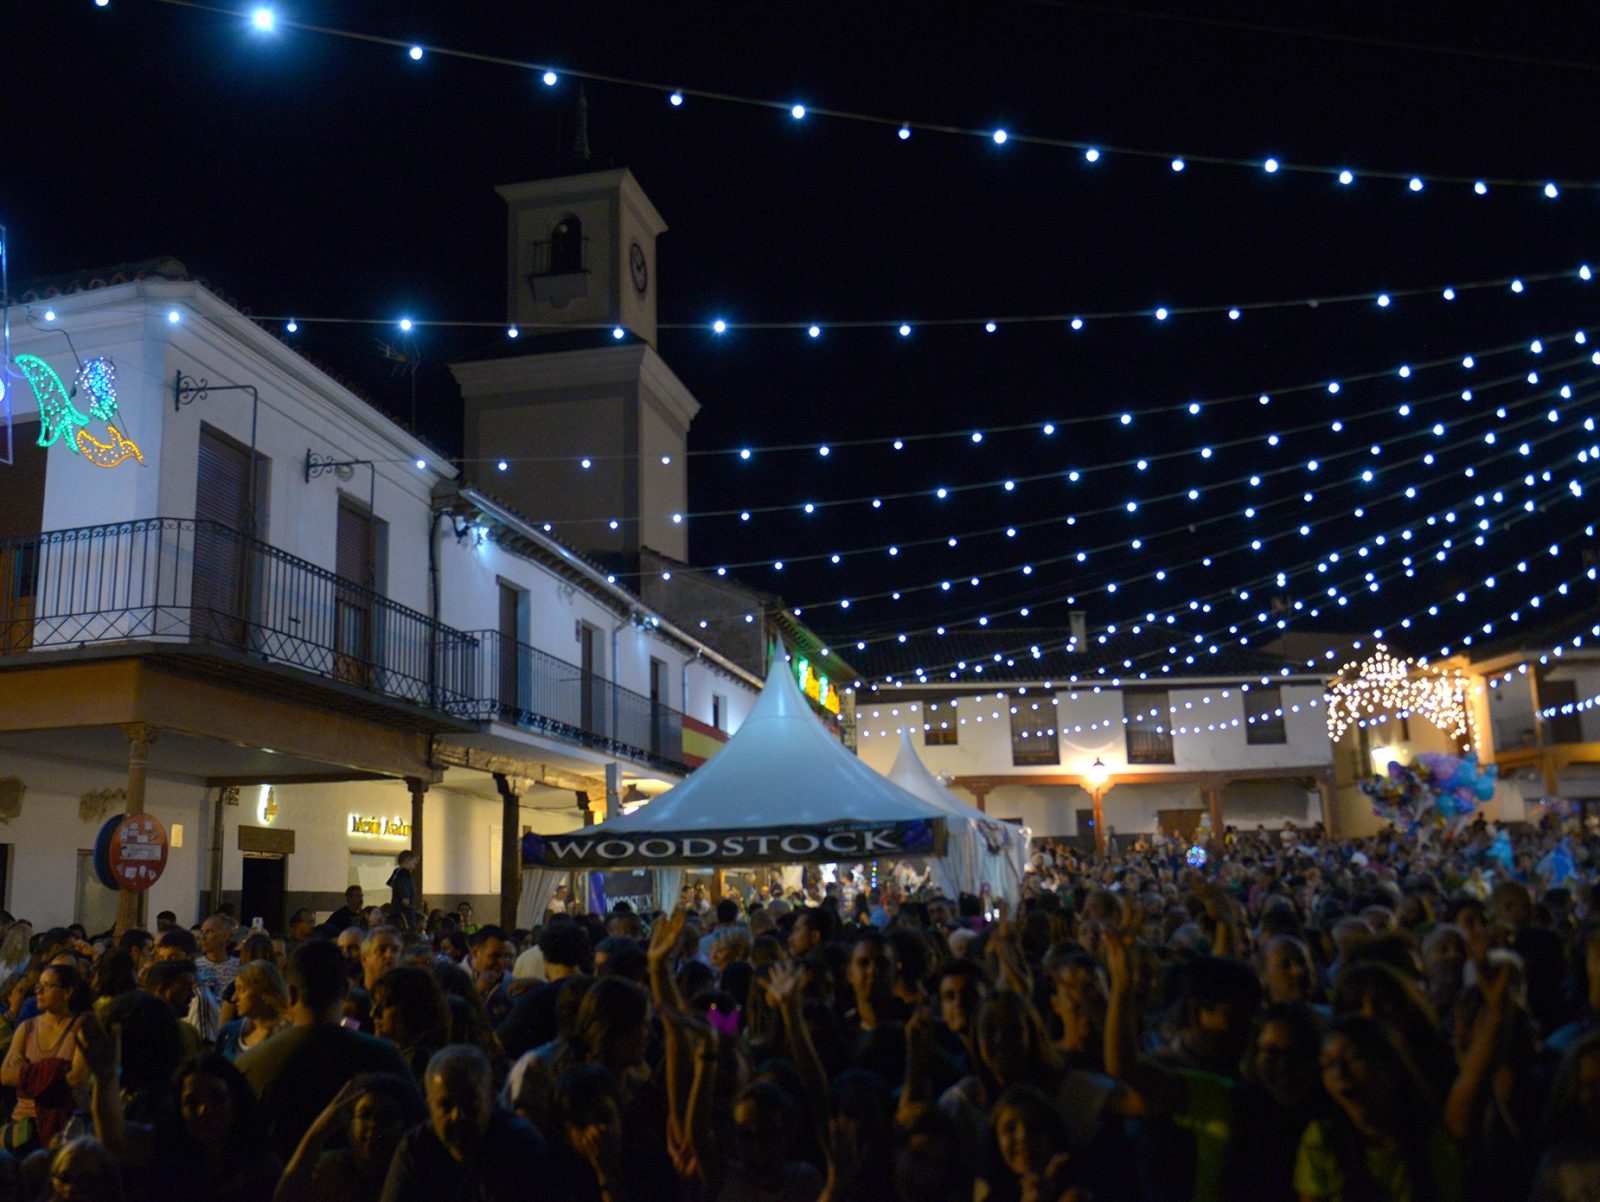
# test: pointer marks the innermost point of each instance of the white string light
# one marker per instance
(265, 19)
(1218, 638)
(1383, 683)
(1401, 537)
(1233, 311)
(1302, 529)
(1076, 474)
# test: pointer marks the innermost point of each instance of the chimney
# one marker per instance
(1080, 629)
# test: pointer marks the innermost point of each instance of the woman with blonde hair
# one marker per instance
(14, 953)
(260, 999)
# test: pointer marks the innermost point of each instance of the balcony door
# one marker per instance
(222, 512)
(354, 560)
(21, 519)
(658, 706)
(510, 653)
(587, 699)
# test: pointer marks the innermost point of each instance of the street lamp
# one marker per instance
(1095, 777)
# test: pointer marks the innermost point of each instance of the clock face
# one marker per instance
(639, 268)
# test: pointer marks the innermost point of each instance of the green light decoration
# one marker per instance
(58, 415)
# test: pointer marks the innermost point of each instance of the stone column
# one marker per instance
(131, 906)
(510, 848)
(1330, 821)
(1098, 798)
(419, 792)
(1213, 800)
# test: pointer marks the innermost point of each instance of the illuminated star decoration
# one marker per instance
(1386, 687)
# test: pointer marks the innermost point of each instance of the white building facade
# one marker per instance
(1087, 762)
(238, 596)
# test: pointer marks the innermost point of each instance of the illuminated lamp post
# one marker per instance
(1095, 777)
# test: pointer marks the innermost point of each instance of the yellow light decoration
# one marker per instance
(1387, 686)
(107, 454)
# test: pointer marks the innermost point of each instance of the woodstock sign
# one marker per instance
(772, 845)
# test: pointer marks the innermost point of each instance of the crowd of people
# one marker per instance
(1388, 1019)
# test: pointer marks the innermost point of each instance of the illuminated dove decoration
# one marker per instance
(58, 414)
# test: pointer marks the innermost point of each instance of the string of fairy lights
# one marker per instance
(1139, 541)
(905, 327)
(1233, 635)
(1399, 706)
(1302, 530)
(1366, 692)
(1204, 450)
(1401, 537)
(1435, 610)
(1361, 702)
(266, 21)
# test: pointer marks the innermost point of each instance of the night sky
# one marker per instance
(304, 174)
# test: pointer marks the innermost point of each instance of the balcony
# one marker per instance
(178, 585)
(519, 684)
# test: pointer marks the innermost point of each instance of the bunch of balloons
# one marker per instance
(1438, 789)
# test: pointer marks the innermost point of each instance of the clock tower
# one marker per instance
(582, 252)
(581, 263)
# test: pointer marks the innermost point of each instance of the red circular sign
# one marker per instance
(139, 852)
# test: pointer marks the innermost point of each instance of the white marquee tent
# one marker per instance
(980, 851)
(782, 790)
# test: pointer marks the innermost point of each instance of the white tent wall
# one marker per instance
(538, 887)
(980, 852)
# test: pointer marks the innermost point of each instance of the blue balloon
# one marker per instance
(1484, 788)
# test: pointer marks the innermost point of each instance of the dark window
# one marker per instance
(939, 721)
(566, 246)
(1034, 740)
(1263, 717)
(660, 709)
(719, 712)
(1149, 726)
(588, 661)
(354, 561)
(1561, 727)
(510, 658)
(222, 518)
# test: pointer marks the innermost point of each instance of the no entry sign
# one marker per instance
(138, 852)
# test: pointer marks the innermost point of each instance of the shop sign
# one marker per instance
(816, 686)
(597, 848)
(379, 828)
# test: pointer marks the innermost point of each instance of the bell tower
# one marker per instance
(582, 252)
(581, 263)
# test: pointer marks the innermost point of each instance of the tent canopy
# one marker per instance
(981, 851)
(782, 790)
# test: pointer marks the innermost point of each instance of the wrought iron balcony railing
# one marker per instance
(527, 687)
(188, 582)
(198, 584)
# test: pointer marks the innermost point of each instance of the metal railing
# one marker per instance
(1147, 745)
(194, 583)
(527, 687)
(191, 582)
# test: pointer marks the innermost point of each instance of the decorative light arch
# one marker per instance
(1386, 686)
